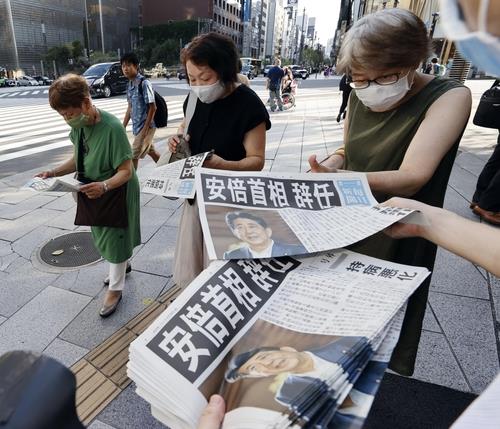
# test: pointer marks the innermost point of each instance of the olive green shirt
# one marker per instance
(106, 148)
(378, 141)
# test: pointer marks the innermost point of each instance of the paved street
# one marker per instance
(33, 135)
(56, 313)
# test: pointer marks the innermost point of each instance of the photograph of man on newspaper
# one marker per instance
(250, 233)
(272, 377)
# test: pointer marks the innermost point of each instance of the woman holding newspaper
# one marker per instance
(220, 115)
(476, 242)
(403, 129)
(103, 159)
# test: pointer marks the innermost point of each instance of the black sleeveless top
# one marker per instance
(222, 125)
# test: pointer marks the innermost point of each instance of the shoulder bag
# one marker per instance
(108, 210)
(488, 112)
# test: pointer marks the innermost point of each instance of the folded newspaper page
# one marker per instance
(263, 215)
(61, 184)
(286, 341)
(175, 180)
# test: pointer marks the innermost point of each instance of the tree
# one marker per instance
(166, 53)
(77, 49)
(162, 42)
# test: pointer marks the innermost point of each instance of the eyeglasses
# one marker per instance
(389, 79)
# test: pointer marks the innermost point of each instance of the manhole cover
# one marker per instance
(68, 252)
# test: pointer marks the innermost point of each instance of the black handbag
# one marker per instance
(108, 210)
(488, 112)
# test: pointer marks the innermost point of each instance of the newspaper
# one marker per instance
(177, 179)
(284, 341)
(262, 215)
(61, 184)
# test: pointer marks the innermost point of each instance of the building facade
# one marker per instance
(221, 16)
(29, 28)
(254, 28)
(274, 36)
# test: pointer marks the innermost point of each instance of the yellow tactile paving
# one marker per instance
(102, 373)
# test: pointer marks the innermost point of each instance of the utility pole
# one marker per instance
(87, 36)
(102, 28)
(302, 36)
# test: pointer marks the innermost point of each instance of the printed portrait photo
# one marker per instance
(250, 233)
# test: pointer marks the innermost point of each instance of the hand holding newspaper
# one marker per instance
(287, 342)
(177, 179)
(247, 215)
(61, 184)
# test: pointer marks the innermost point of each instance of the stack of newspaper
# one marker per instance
(287, 342)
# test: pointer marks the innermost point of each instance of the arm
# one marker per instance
(149, 118)
(473, 241)
(437, 133)
(122, 175)
(255, 145)
(126, 119)
(66, 167)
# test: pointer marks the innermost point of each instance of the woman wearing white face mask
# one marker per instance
(230, 119)
(403, 128)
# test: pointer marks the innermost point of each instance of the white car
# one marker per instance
(26, 81)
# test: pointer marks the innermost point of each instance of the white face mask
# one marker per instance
(480, 47)
(380, 98)
(209, 93)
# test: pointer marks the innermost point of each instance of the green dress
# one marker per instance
(107, 148)
(377, 141)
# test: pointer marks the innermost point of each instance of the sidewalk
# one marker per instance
(56, 313)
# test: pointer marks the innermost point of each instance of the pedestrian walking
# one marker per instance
(346, 91)
(396, 132)
(486, 198)
(230, 119)
(103, 159)
(274, 76)
(141, 109)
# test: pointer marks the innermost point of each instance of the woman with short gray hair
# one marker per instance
(402, 129)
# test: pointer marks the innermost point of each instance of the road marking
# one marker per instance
(25, 92)
(12, 94)
(46, 91)
(3, 95)
(35, 92)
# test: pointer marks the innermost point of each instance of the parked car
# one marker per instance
(266, 69)
(26, 81)
(105, 79)
(43, 80)
(299, 71)
(3, 82)
(10, 82)
(181, 74)
(249, 71)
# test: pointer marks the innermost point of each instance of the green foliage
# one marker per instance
(162, 43)
(313, 57)
(77, 49)
(166, 52)
(176, 30)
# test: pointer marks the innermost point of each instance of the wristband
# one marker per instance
(105, 185)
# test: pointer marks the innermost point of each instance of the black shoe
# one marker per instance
(127, 271)
(338, 118)
(343, 114)
(108, 310)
